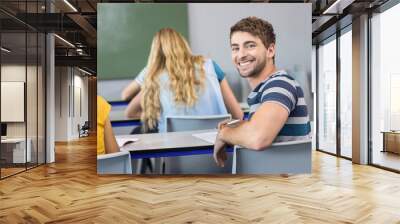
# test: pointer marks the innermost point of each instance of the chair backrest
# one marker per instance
(86, 125)
(114, 163)
(189, 123)
(280, 158)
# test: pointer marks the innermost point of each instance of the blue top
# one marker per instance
(209, 101)
(284, 90)
(218, 71)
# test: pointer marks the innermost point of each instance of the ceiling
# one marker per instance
(76, 22)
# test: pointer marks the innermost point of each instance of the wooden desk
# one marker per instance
(122, 125)
(125, 126)
(126, 122)
(391, 141)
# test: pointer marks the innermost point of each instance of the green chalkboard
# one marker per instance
(125, 32)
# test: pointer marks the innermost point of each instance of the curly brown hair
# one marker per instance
(257, 27)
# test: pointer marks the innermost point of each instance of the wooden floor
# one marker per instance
(5, 172)
(10, 171)
(387, 159)
(70, 191)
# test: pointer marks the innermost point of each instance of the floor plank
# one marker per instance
(70, 191)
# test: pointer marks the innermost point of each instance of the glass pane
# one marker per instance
(346, 94)
(327, 97)
(41, 98)
(385, 89)
(13, 87)
(22, 88)
(31, 101)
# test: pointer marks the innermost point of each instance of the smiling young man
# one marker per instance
(278, 111)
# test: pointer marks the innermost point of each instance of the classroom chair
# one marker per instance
(195, 164)
(114, 163)
(293, 157)
(190, 123)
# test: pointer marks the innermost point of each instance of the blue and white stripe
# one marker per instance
(283, 89)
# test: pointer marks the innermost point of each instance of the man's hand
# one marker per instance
(220, 145)
(229, 123)
(223, 123)
(219, 152)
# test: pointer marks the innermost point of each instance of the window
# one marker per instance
(385, 88)
(346, 93)
(327, 96)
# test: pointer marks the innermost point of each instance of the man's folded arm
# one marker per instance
(260, 131)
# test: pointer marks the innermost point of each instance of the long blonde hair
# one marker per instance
(170, 52)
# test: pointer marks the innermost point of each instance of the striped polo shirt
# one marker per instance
(283, 89)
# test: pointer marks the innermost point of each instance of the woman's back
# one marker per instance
(209, 97)
(178, 82)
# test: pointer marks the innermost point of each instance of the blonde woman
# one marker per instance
(176, 82)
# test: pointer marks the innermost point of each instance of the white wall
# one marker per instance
(80, 99)
(314, 94)
(70, 83)
(33, 126)
(15, 72)
(61, 103)
(111, 89)
(85, 98)
(209, 28)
